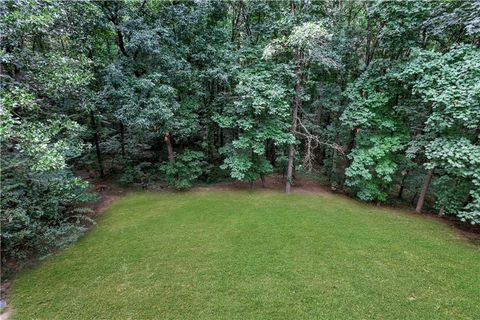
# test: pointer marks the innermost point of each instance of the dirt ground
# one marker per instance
(273, 182)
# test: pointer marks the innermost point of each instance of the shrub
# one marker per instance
(186, 168)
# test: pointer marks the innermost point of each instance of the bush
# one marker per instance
(186, 168)
(39, 213)
(135, 173)
(40, 195)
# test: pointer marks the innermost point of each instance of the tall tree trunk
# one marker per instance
(97, 144)
(221, 138)
(423, 193)
(402, 186)
(112, 15)
(122, 139)
(168, 142)
(296, 106)
(400, 192)
(348, 161)
(270, 152)
(121, 43)
(369, 39)
(333, 173)
(234, 21)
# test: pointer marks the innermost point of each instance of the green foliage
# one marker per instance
(132, 173)
(459, 158)
(448, 84)
(450, 194)
(453, 16)
(260, 113)
(401, 23)
(58, 76)
(376, 160)
(39, 193)
(384, 90)
(186, 168)
(382, 136)
(433, 96)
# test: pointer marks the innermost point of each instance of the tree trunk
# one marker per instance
(97, 144)
(402, 186)
(441, 213)
(296, 106)
(168, 142)
(122, 139)
(369, 40)
(423, 193)
(221, 138)
(412, 202)
(321, 156)
(121, 43)
(400, 192)
(333, 173)
(348, 161)
(113, 17)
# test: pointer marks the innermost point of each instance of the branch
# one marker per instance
(313, 141)
(112, 17)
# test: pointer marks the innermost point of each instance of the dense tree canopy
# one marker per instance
(379, 99)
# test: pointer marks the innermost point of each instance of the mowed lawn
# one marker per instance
(255, 255)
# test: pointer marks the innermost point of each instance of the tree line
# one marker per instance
(378, 99)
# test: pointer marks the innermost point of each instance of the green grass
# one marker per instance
(255, 255)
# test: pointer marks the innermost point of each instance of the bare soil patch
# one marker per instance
(272, 182)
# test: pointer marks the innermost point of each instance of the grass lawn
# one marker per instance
(255, 255)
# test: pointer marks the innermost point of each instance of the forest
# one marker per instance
(378, 100)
